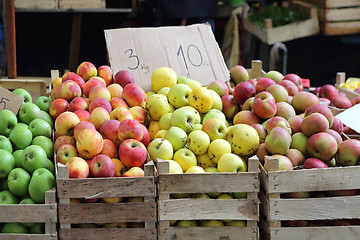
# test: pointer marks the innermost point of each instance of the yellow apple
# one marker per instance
(198, 142)
(230, 162)
(201, 99)
(195, 169)
(204, 160)
(162, 77)
(185, 158)
(217, 148)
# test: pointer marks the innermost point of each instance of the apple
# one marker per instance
(109, 149)
(356, 100)
(284, 163)
(214, 113)
(115, 90)
(65, 153)
(109, 130)
(74, 77)
(336, 135)
(41, 181)
(5, 143)
(130, 128)
(263, 83)
(63, 140)
(238, 74)
(274, 75)
(337, 126)
(165, 121)
(185, 158)
(278, 121)
(291, 87)
(161, 133)
(243, 91)
(123, 77)
(158, 105)
(204, 160)
(81, 126)
(314, 123)
(33, 157)
(320, 108)
(18, 181)
(328, 91)
(164, 91)
(91, 83)
(134, 95)
(68, 90)
(295, 79)
(8, 122)
(98, 116)
(195, 169)
(216, 99)
(99, 91)
(154, 127)
(246, 117)
(43, 102)
(278, 141)
(20, 137)
(120, 114)
(101, 166)
(264, 105)
(217, 148)
(262, 152)
(295, 123)
(322, 146)
(86, 70)
(220, 87)
(285, 110)
(57, 107)
(348, 153)
(261, 130)
(28, 112)
(119, 167)
(214, 128)
(230, 107)
(295, 156)
(100, 102)
(341, 102)
(314, 163)
(46, 144)
(160, 148)
(6, 197)
(7, 163)
(248, 104)
(78, 168)
(178, 95)
(134, 172)
(278, 92)
(302, 100)
(201, 99)
(243, 138)
(17, 156)
(118, 102)
(163, 77)
(40, 127)
(89, 143)
(198, 142)
(299, 142)
(23, 93)
(105, 72)
(230, 162)
(139, 114)
(183, 118)
(65, 123)
(56, 82)
(177, 137)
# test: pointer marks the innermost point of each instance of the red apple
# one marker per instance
(109, 130)
(246, 117)
(139, 114)
(91, 84)
(291, 87)
(74, 77)
(243, 91)
(336, 135)
(130, 128)
(86, 70)
(238, 74)
(62, 140)
(261, 131)
(248, 104)
(109, 149)
(230, 107)
(65, 123)
(285, 110)
(118, 102)
(348, 153)
(278, 121)
(78, 103)
(89, 143)
(99, 91)
(65, 153)
(341, 102)
(337, 125)
(302, 100)
(81, 126)
(314, 163)
(355, 100)
(68, 90)
(295, 123)
(220, 87)
(322, 146)
(328, 91)
(295, 156)
(132, 153)
(320, 108)
(57, 107)
(279, 92)
(83, 115)
(98, 116)
(261, 152)
(317, 91)
(264, 105)
(314, 123)
(78, 168)
(100, 102)
(134, 95)
(123, 78)
(263, 83)
(101, 166)
(134, 172)
(146, 136)
(295, 79)
(105, 72)
(115, 90)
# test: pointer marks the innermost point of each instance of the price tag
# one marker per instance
(9, 100)
(191, 51)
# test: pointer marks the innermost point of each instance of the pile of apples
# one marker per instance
(99, 124)
(26, 155)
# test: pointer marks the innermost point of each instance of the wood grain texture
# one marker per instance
(209, 233)
(36, 87)
(334, 3)
(28, 237)
(82, 4)
(340, 28)
(342, 14)
(107, 233)
(37, 4)
(27, 212)
(107, 212)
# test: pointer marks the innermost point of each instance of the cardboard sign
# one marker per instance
(350, 116)
(191, 51)
(9, 100)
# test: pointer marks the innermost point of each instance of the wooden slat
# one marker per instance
(82, 4)
(36, 88)
(316, 233)
(264, 229)
(37, 4)
(107, 233)
(202, 209)
(334, 3)
(342, 14)
(208, 233)
(340, 28)
(314, 208)
(264, 205)
(28, 237)
(27, 212)
(106, 187)
(107, 212)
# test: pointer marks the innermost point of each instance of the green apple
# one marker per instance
(183, 118)
(27, 201)
(193, 84)
(197, 126)
(40, 127)
(160, 148)
(8, 121)
(158, 105)
(28, 112)
(14, 228)
(204, 160)
(217, 148)
(177, 137)
(46, 144)
(195, 169)
(186, 223)
(17, 157)
(278, 141)
(199, 195)
(38, 228)
(198, 142)
(6, 197)
(214, 113)
(197, 115)
(225, 196)
(274, 75)
(211, 170)
(33, 157)
(185, 158)
(21, 136)
(164, 91)
(182, 79)
(299, 141)
(174, 167)
(201, 99)
(7, 163)
(18, 181)
(43, 102)
(46, 116)
(4, 184)
(23, 93)
(215, 128)
(239, 195)
(230, 162)
(165, 121)
(5, 144)
(50, 166)
(211, 223)
(41, 181)
(217, 103)
(179, 94)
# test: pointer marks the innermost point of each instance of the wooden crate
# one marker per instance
(340, 79)
(206, 209)
(40, 4)
(338, 17)
(35, 87)
(275, 209)
(77, 213)
(270, 35)
(37, 213)
(82, 4)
